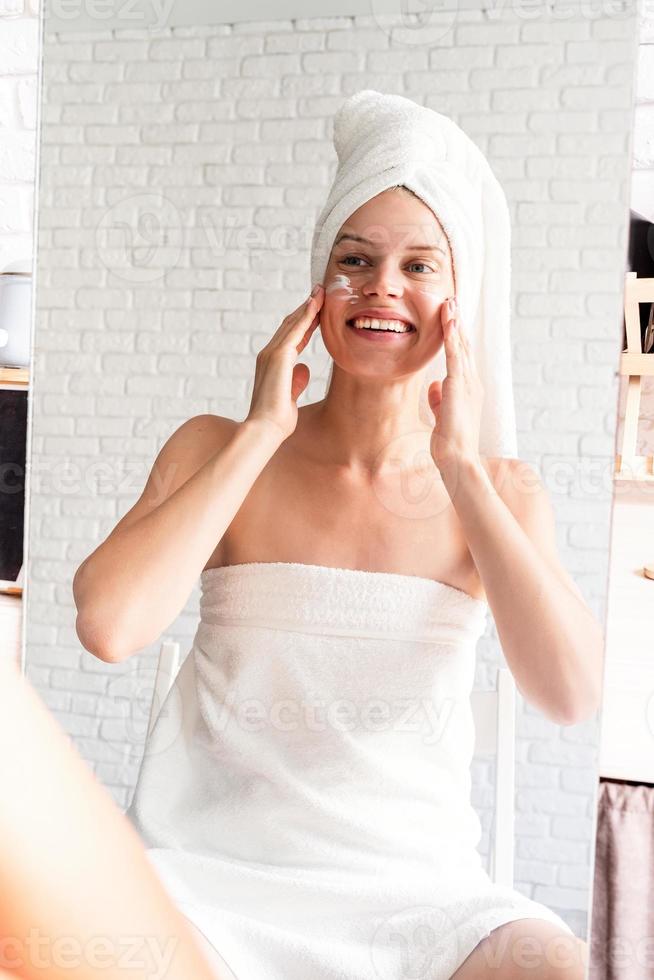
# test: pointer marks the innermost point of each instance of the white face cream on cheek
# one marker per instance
(340, 283)
(429, 289)
(343, 288)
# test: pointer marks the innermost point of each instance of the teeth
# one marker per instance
(368, 323)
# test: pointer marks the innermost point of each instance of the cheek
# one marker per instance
(340, 296)
(339, 287)
(430, 298)
(432, 329)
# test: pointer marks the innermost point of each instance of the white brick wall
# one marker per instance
(19, 36)
(229, 127)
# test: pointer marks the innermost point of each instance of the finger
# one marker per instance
(295, 324)
(452, 351)
(435, 395)
(462, 346)
(464, 349)
(306, 337)
(299, 310)
(470, 355)
(308, 310)
(463, 335)
(300, 379)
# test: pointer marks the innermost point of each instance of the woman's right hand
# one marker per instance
(278, 379)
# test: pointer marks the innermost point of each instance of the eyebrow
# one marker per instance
(410, 248)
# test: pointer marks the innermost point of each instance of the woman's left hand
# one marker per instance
(456, 401)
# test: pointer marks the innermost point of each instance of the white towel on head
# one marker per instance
(382, 140)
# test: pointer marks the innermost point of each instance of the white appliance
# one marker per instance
(15, 313)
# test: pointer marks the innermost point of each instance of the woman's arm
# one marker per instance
(138, 581)
(131, 588)
(78, 897)
(552, 642)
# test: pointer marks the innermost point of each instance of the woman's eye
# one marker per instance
(357, 258)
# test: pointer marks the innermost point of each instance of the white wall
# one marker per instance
(19, 36)
(94, 16)
(232, 124)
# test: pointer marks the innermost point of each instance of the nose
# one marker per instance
(382, 280)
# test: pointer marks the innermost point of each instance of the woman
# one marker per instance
(339, 476)
(107, 883)
(301, 843)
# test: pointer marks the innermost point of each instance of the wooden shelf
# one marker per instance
(7, 587)
(620, 478)
(642, 364)
(14, 376)
(635, 469)
(11, 625)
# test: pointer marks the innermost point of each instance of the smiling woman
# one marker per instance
(306, 798)
(450, 201)
(417, 278)
(375, 819)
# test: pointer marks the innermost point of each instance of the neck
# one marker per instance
(372, 429)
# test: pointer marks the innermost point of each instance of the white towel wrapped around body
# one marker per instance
(305, 794)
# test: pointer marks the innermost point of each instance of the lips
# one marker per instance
(370, 316)
(380, 336)
(382, 313)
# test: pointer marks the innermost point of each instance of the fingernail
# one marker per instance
(451, 305)
(315, 289)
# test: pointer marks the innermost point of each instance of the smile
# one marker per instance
(374, 325)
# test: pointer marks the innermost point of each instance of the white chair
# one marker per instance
(169, 658)
(494, 715)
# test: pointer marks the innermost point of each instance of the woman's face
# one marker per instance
(403, 265)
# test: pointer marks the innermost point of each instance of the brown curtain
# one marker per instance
(622, 921)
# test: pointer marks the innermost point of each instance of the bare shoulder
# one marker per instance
(207, 423)
(203, 428)
(185, 451)
(191, 444)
